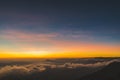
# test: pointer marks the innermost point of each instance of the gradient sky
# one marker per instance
(59, 28)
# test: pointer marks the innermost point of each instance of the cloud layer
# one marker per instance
(41, 67)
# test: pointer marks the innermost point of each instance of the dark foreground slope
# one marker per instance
(51, 74)
(110, 72)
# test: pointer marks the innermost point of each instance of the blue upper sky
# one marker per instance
(99, 18)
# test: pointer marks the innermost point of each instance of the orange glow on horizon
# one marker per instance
(20, 44)
(60, 55)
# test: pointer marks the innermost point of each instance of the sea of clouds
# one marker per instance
(30, 68)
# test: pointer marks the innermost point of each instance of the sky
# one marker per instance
(59, 28)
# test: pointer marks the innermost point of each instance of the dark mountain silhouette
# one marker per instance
(110, 72)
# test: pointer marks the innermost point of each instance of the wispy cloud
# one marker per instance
(26, 36)
(56, 42)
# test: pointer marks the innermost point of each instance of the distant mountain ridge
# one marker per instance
(110, 72)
